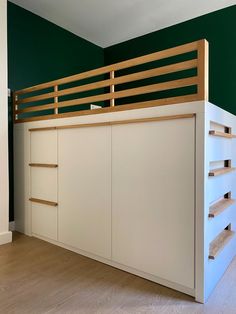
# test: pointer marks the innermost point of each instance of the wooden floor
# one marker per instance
(37, 277)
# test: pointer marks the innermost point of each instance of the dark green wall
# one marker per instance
(219, 28)
(40, 51)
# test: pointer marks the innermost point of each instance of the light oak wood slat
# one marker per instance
(217, 172)
(112, 88)
(37, 200)
(121, 94)
(217, 208)
(138, 105)
(43, 165)
(220, 242)
(56, 100)
(203, 69)
(107, 123)
(221, 134)
(115, 81)
(117, 66)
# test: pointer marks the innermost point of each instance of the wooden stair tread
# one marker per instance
(220, 206)
(45, 202)
(221, 134)
(220, 242)
(216, 172)
(43, 165)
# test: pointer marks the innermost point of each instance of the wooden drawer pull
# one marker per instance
(37, 200)
(43, 165)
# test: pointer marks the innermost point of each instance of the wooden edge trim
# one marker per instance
(118, 122)
(217, 172)
(221, 134)
(219, 243)
(43, 165)
(37, 200)
(116, 66)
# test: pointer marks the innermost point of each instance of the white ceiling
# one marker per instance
(108, 22)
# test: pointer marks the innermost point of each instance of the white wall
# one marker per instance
(5, 235)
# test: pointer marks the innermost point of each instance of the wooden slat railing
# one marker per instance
(24, 102)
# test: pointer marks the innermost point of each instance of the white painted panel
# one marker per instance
(219, 148)
(44, 183)
(219, 185)
(44, 147)
(84, 177)
(44, 220)
(153, 198)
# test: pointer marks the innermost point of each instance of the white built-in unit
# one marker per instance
(151, 191)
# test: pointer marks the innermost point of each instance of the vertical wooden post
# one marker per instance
(203, 69)
(112, 89)
(15, 106)
(56, 100)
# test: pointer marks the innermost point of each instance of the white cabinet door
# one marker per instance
(84, 184)
(153, 198)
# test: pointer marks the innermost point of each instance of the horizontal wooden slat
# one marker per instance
(118, 122)
(36, 108)
(43, 165)
(221, 134)
(117, 66)
(119, 80)
(219, 171)
(37, 200)
(137, 105)
(220, 242)
(217, 208)
(121, 94)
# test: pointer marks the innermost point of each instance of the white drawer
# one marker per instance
(44, 183)
(44, 220)
(43, 146)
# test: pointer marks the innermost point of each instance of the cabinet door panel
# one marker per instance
(153, 198)
(84, 198)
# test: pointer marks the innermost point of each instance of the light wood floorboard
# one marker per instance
(38, 277)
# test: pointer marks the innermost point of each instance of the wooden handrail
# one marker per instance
(22, 97)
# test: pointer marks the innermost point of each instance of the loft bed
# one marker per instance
(157, 158)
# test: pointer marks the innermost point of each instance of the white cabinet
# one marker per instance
(150, 191)
(153, 198)
(84, 200)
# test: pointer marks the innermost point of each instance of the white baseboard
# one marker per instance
(12, 226)
(5, 237)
